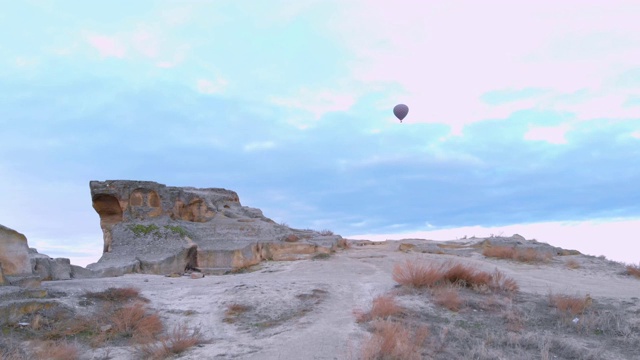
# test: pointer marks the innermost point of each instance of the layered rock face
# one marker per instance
(21, 265)
(14, 253)
(153, 228)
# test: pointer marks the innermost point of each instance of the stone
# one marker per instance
(166, 229)
(3, 281)
(49, 269)
(14, 253)
(197, 275)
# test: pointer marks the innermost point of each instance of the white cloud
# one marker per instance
(259, 146)
(317, 102)
(550, 134)
(216, 86)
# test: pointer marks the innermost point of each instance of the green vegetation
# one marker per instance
(139, 230)
(176, 230)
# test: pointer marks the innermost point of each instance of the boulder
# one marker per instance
(153, 228)
(14, 253)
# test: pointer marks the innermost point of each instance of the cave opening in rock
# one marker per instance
(192, 258)
(108, 208)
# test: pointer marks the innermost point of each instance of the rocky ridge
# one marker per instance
(157, 229)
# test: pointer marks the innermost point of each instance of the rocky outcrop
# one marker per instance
(14, 253)
(153, 228)
(24, 266)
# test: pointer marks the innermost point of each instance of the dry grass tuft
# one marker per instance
(634, 270)
(117, 295)
(500, 282)
(177, 341)
(570, 305)
(512, 253)
(135, 322)
(383, 307)
(447, 297)
(572, 264)
(417, 275)
(61, 350)
(393, 340)
(233, 311)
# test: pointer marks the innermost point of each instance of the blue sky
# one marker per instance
(525, 117)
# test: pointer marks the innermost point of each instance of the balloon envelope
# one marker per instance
(400, 111)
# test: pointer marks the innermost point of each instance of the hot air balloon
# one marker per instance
(400, 111)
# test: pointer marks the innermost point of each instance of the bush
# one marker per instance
(529, 255)
(177, 341)
(393, 340)
(116, 295)
(383, 307)
(570, 305)
(134, 321)
(418, 275)
(634, 270)
(447, 297)
(61, 350)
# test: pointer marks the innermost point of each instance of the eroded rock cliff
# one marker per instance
(153, 228)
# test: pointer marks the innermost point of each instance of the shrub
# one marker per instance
(117, 295)
(447, 297)
(500, 282)
(529, 255)
(415, 274)
(634, 270)
(572, 264)
(326, 232)
(393, 340)
(177, 341)
(570, 305)
(134, 321)
(233, 311)
(61, 350)
(139, 230)
(383, 306)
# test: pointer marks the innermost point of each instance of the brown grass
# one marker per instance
(417, 275)
(634, 270)
(572, 264)
(500, 282)
(134, 321)
(177, 341)
(570, 305)
(117, 295)
(512, 253)
(233, 311)
(383, 307)
(393, 340)
(60, 350)
(447, 297)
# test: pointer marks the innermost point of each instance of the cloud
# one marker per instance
(259, 146)
(551, 134)
(216, 86)
(107, 46)
(317, 101)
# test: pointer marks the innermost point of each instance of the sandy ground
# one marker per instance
(304, 309)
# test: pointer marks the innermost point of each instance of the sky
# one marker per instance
(524, 117)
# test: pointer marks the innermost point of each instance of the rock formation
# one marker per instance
(21, 265)
(153, 228)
